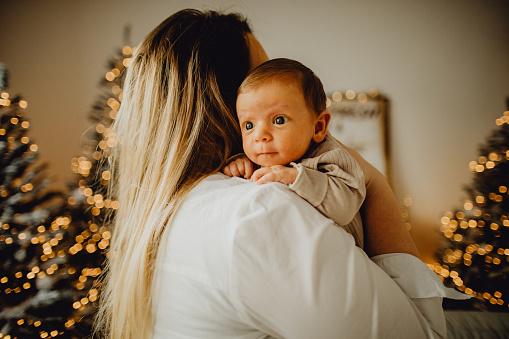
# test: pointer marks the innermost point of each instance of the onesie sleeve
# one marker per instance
(333, 182)
(295, 275)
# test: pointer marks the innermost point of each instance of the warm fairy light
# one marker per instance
(116, 90)
(113, 103)
(87, 192)
(362, 98)
(110, 76)
(100, 128)
(106, 175)
(102, 145)
(127, 62)
(49, 237)
(126, 51)
(350, 94)
(111, 141)
(337, 96)
(373, 92)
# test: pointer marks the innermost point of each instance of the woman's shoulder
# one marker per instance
(241, 205)
(246, 197)
(222, 217)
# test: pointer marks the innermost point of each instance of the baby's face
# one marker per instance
(277, 125)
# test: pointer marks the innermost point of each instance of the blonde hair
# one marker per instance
(176, 125)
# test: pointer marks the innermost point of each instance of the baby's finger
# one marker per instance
(227, 171)
(241, 168)
(248, 165)
(269, 177)
(234, 169)
(259, 173)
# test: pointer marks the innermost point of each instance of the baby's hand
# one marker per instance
(277, 173)
(240, 167)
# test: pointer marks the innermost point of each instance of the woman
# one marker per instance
(196, 254)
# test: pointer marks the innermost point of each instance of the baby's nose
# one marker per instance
(262, 134)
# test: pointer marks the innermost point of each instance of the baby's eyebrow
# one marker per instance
(242, 115)
(279, 107)
(272, 110)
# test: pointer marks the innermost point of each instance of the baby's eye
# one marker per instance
(248, 125)
(280, 120)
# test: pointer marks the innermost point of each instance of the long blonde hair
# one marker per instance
(176, 125)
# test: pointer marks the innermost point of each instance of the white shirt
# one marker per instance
(257, 261)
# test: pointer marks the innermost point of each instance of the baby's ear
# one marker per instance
(321, 124)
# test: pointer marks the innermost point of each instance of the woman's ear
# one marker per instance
(321, 124)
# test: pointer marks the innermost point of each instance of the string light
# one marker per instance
(473, 232)
(49, 237)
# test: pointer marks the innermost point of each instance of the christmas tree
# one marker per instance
(35, 294)
(474, 257)
(86, 206)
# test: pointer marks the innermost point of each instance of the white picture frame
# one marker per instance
(360, 121)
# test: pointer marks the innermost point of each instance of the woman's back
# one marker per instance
(250, 261)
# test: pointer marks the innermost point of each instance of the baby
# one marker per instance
(282, 116)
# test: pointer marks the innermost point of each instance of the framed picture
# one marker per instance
(360, 122)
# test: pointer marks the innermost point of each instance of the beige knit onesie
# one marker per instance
(332, 181)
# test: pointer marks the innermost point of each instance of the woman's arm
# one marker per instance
(384, 228)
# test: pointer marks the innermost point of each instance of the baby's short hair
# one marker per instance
(283, 69)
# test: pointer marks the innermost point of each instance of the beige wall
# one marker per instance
(443, 64)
